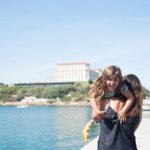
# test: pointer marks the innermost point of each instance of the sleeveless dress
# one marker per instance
(116, 136)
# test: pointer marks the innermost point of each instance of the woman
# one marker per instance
(113, 134)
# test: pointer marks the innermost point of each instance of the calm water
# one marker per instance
(43, 127)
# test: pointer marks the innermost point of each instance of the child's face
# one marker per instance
(112, 83)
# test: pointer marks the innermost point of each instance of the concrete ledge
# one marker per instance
(142, 135)
(143, 132)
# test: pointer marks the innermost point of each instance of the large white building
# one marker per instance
(76, 71)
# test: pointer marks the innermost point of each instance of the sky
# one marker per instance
(37, 35)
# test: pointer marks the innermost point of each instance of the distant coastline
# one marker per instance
(80, 103)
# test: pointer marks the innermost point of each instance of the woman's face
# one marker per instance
(112, 83)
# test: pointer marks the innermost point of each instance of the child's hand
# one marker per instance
(95, 117)
(99, 113)
(122, 117)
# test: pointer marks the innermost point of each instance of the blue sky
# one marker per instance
(36, 35)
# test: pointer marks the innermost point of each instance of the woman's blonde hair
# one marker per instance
(99, 86)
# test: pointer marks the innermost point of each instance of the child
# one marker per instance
(110, 84)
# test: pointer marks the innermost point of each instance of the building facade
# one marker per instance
(74, 72)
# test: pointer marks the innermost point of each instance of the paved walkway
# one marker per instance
(142, 135)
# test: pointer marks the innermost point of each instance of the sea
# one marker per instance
(44, 127)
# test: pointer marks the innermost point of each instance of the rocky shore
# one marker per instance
(81, 103)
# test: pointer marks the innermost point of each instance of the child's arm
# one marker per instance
(96, 117)
(127, 106)
(96, 108)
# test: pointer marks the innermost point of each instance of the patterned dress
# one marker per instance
(116, 136)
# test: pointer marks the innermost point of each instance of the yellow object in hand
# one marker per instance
(86, 130)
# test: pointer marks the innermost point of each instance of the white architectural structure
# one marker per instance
(77, 71)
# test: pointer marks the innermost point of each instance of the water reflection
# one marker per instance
(69, 123)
